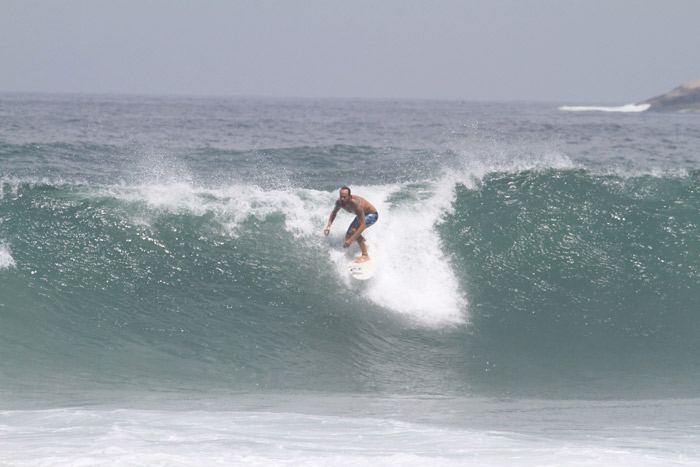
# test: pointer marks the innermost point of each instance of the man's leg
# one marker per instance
(363, 248)
(360, 240)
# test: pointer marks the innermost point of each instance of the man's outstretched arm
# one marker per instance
(331, 219)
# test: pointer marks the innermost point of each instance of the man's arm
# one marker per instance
(332, 218)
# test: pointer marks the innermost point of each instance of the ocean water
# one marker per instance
(167, 295)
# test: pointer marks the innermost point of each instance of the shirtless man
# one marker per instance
(366, 215)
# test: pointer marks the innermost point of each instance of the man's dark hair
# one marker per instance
(346, 188)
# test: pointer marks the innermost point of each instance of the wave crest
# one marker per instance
(629, 108)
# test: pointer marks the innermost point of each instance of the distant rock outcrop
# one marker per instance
(685, 97)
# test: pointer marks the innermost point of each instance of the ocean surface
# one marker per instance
(167, 295)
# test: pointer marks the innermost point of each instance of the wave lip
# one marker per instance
(629, 108)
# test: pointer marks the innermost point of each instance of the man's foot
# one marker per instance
(362, 259)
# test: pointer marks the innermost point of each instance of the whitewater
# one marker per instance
(167, 295)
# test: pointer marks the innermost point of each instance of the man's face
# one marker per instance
(344, 197)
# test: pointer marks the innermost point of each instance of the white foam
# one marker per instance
(414, 277)
(230, 206)
(128, 437)
(6, 259)
(629, 108)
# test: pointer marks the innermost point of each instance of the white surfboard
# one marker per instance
(362, 271)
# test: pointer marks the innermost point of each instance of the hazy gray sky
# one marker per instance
(593, 51)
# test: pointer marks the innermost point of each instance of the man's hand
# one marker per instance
(327, 231)
(347, 244)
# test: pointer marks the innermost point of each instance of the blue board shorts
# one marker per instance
(370, 219)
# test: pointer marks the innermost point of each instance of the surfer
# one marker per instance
(365, 216)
